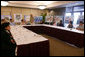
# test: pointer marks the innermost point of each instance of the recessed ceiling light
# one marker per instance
(42, 6)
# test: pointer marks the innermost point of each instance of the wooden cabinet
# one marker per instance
(74, 38)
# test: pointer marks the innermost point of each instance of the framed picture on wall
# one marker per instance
(17, 17)
(38, 19)
(6, 17)
(80, 18)
(27, 17)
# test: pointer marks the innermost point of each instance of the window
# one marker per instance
(83, 13)
(77, 14)
(68, 17)
(68, 14)
(78, 8)
(69, 9)
(76, 17)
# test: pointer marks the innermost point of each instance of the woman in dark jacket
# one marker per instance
(8, 44)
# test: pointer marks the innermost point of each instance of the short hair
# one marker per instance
(4, 25)
(81, 22)
(61, 21)
(71, 22)
(10, 19)
(22, 20)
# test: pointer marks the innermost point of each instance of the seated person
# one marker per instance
(60, 24)
(23, 22)
(81, 26)
(8, 44)
(11, 22)
(70, 25)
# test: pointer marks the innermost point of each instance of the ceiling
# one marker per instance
(49, 4)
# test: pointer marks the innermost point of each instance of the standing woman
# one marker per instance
(8, 44)
(31, 19)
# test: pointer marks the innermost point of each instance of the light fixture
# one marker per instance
(42, 6)
(4, 3)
